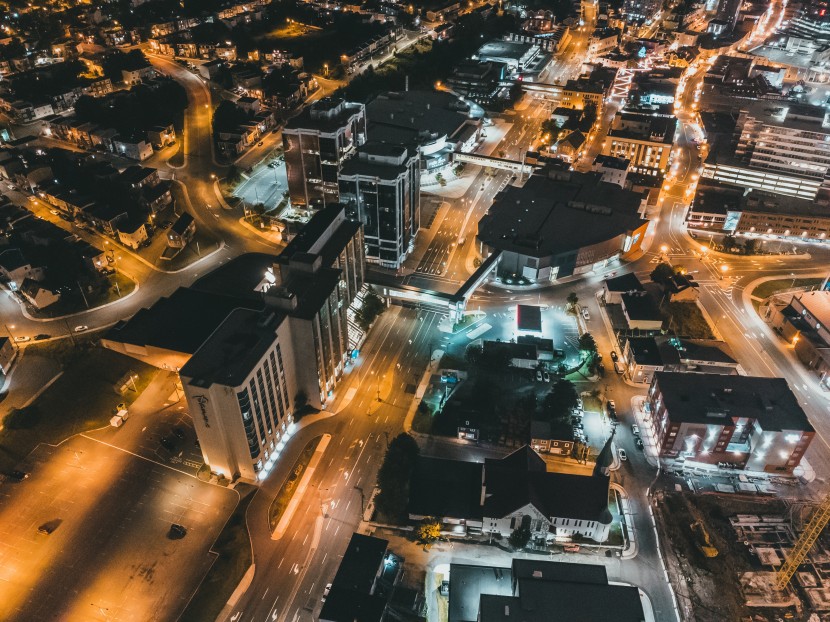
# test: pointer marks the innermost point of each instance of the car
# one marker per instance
(167, 443)
(610, 406)
(546, 376)
(81, 328)
(326, 592)
(108, 271)
(18, 475)
(177, 532)
(614, 356)
(46, 528)
(538, 375)
(178, 432)
(22, 339)
(42, 336)
(622, 454)
(639, 444)
(54, 212)
(635, 429)
(585, 315)
(619, 368)
(259, 144)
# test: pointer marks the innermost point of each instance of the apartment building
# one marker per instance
(805, 323)
(644, 139)
(749, 422)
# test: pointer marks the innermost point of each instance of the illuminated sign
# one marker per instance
(202, 401)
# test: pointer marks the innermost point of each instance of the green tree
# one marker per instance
(393, 478)
(587, 343)
(372, 307)
(752, 246)
(429, 530)
(521, 535)
(440, 179)
(661, 273)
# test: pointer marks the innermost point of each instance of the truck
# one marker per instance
(122, 413)
(116, 421)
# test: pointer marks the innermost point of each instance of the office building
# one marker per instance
(749, 422)
(315, 143)
(381, 189)
(561, 223)
(644, 139)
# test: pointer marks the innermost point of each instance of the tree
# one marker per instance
(587, 344)
(429, 530)
(561, 400)
(393, 478)
(661, 273)
(752, 246)
(572, 300)
(440, 179)
(372, 307)
(521, 534)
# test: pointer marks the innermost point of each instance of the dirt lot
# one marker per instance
(712, 583)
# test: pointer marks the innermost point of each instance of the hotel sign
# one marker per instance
(202, 401)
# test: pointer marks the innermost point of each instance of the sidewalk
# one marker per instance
(630, 548)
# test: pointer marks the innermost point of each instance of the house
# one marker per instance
(641, 312)
(138, 74)
(161, 136)
(354, 593)
(132, 232)
(15, 268)
(105, 217)
(136, 177)
(569, 147)
(546, 438)
(210, 69)
(182, 231)
(502, 494)
(747, 422)
(805, 323)
(681, 287)
(8, 352)
(156, 198)
(38, 296)
(522, 355)
(135, 149)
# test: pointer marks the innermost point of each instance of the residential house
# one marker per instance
(182, 231)
(643, 356)
(641, 312)
(38, 295)
(15, 268)
(161, 136)
(133, 148)
(546, 438)
(132, 232)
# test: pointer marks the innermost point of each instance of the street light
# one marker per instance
(8, 330)
(723, 270)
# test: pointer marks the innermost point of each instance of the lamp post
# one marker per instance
(723, 270)
(8, 328)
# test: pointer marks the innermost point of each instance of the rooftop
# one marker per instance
(818, 304)
(326, 115)
(233, 349)
(640, 307)
(717, 399)
(627, 282)
(443, 487)
(529, 318)
(552, 216)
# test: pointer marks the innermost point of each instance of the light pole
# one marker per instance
(8, 328)
(723, 270)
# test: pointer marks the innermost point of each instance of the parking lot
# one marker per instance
(108, 556)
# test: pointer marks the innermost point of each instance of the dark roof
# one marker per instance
(520, 351)
(717, 399)
(529, 318)
(543, 570)
(443, 487)
(311, 236)
(360, 564)
(553, 216)
(468, 583)
(12, 259)
(233, 349)
(646, 351)
(523, 459)
(182, 223)
(181, 322)
(346, 606)
(624, 283)
(543, 601)
(641, 307)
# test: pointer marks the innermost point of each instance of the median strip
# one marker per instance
(285, 502)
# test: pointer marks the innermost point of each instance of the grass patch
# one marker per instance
(615, 536)
(233, 551)
(686, 320)
(82, 399)
(283, 498)
(768, 288)
(591, 404)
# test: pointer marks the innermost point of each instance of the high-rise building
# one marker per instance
(381, 189)
(316, 142)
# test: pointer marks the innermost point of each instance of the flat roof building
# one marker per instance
(561, 223)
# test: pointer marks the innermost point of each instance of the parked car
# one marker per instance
(610, 406)
(22, 339)
(614, 356)
(46, 528)
(538, 375)
(635, 429)
(586, 316)
(42, 336)
(619, 368)
(326, 592)
(639, 443)
(622, 454)
(81, 328)
(178, 432)
(546, 376)
(177, 532)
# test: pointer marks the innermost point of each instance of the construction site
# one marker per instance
(754, 559)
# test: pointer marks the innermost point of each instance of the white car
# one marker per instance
(623, 456)
(22, 339)
(585, 314)
(80, 329)
(326, 592)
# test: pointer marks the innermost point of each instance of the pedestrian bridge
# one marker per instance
(551, 91)
(500, 163)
